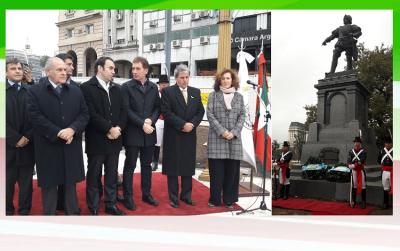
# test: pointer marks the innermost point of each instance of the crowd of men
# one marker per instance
(46, 122)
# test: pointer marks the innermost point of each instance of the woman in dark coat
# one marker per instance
(226, 115)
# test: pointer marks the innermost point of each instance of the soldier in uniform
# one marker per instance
(347, 36)
(385, 159)
(356, 162)
(284, 170)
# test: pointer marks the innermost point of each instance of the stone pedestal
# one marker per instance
(342, 114)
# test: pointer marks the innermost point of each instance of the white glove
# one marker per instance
(351, 166)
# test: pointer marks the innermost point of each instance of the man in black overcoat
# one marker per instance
(140, 135)
(59, 115)
(69, 63)
(19, 141)
(183, 111)
(108, 113)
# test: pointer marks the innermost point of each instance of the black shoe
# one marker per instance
(174, 204)
(114, 210)
(94, 212)
(363, 205)
(129, 204)
(189, 202)
(385, 200)
(229, 206)
(60, 207)
(363, 198)
(150, 200)
(211, 205)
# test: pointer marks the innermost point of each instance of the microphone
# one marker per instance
(251, 83)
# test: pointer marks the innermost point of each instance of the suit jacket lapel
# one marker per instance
(179, 96)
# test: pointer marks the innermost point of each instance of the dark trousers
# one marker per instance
(95, 167)
(224, 177)
(61, 191)
(173, 187)
(131, 155)
(21, 174)
(156, 155)
(49, 200)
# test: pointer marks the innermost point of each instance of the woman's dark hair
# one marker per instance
(234, 76)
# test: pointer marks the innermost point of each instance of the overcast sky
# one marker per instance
(299, 60)
(38, 26)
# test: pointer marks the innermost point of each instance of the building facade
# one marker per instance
(297, 131)
(81, 35)
(193, 38)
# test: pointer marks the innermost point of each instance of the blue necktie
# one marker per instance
(59, 89)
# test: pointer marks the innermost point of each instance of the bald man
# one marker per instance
(59, 115)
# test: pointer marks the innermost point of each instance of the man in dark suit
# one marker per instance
(183, 111)
(19, 144)
(69, 63)
(140, 136)
(59, 114)
(103, 134)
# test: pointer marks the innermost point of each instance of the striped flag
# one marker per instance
(260, 126)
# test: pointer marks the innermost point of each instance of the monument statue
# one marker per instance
(347, 36)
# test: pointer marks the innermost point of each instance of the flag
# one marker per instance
(260, 125)
(247, 132)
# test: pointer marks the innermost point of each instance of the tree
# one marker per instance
(374, 70)
(311, 113)
(298, 145)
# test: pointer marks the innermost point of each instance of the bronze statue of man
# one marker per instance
(347, 36)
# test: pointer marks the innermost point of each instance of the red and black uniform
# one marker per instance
(385, 159)
(356, 162)
(284, 173)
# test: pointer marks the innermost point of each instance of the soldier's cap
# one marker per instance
(357, 139)
(163, 79)
(285, 143)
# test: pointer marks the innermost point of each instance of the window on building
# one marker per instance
(153, 19)
(89, 28)
(245, 24)
(120, 15)
(121, 41)
(70, 33)
(180, 34)
(151, 39)
(121, 35)
(205, 31)
(206, 67)
(69, 13)
(262, 21)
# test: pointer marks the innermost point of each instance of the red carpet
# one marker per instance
(319, 207)
(200, 195)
